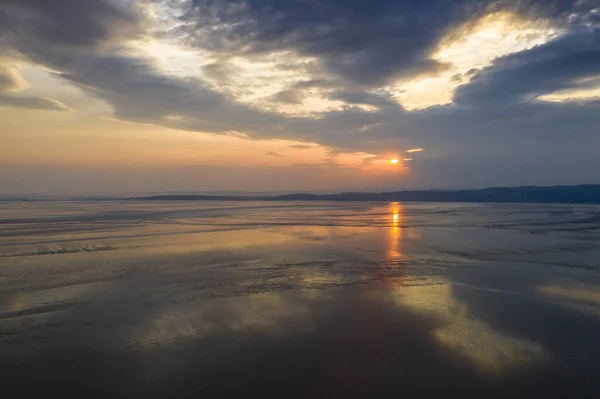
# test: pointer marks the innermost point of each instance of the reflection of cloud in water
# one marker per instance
(492, 351)
(314, 234)
(268, 312)
(41, 302)
(578, 296)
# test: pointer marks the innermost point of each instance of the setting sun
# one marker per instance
(394, 161)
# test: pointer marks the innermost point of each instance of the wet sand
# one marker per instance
(307, 300)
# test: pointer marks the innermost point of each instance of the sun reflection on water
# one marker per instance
(393, 250)
(394, 253)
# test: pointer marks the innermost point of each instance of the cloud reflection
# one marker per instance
(266, 311)
(579, 296)
(460, 331)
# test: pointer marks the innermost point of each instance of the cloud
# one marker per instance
(415, 150)
(68, 22)
(358, 41)
(362, 97)
(101, 64)
(369, 160)
(524, 76)
(221, 70)
(139, 93)
(274, 154)
(348, 51)
(11, 82)
(40, 103)
(301, 146)
(287, 97)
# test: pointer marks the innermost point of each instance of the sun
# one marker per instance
(394, 161)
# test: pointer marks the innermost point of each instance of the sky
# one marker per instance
(134, 96)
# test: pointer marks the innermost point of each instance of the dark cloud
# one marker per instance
(274, 154)
(522, 77)
(138, 92)
(301, 146)
(361, 41)
(319, 83)
(131, 85)
(363, 97)
(136, 89)
(67, 22)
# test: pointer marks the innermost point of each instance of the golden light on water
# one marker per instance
(394, 251)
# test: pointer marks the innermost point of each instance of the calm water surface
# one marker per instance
(307, 300)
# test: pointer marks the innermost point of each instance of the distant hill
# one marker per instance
(583, 194)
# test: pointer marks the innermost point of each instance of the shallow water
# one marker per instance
(270, 299)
